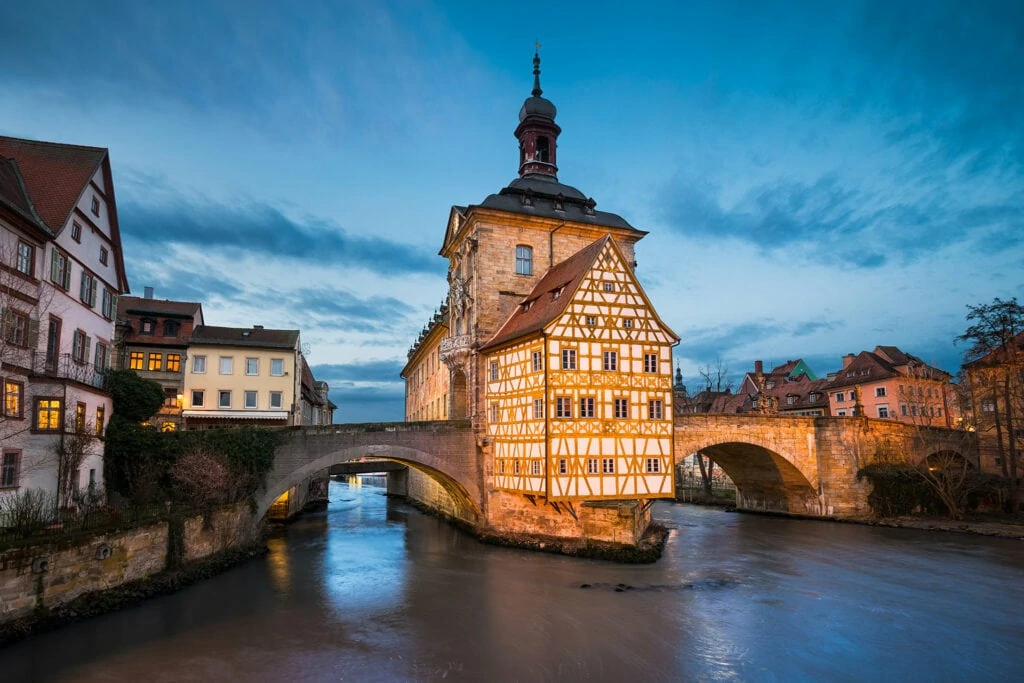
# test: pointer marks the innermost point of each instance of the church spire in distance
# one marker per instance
(537, 131)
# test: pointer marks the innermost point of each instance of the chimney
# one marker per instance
(758, 367)
(147, 293)
(847, 359)
(257, 327)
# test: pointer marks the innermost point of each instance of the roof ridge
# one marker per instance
(55, 144)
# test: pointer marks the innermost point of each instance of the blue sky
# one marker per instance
(816, 178)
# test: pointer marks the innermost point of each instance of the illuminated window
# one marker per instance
(524, 260)
(592, 466)
(135, 360)
(26, 259)
(538, 361)
(100, 416)
(252, 366)
(608, 465)
(568, 359)
(224, 399)
(587, 406)
(199, 365)
(538, 409)
(227, 365)
(156, 361)
(169, 427)
(611, 360)
(76, 231)
(276, 399)
(48, 414)
(250, 399)
(60, 269)
(650, 362)
(621, 408)
(563, 407)
(13, 397)
(15, 326)
(80, 417)
(198, 396)
(277, 367)
(653, 466)
(655, 409)
(10, 469)
(173, 362)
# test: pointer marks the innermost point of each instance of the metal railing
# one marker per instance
(68, 366)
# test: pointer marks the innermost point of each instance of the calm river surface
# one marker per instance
(372, 590)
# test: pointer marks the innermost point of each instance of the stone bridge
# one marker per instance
(808, 465)
(444, 451)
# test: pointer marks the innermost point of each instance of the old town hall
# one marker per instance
(547, 341)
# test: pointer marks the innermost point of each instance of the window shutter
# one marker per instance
(92, 291)
(88, 344)
(4, 313)
(53, 265)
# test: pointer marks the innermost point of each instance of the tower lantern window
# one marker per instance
(543, 150)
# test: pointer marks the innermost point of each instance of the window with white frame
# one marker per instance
(60, 269)
(621, 408)
(223, 399)
(198, 365)
(568, 359)
(840, 397)
(276, 400)
(524, 260)
(250, 399)
(883, 412)
(650, 362)
(494, 371)
(627, 323)
(608, 465)
(592, 467)
(609, 286)
(26, 259)
(591, 321)
(227, 365)
(653, 466)
(198, 396)
(563, 466)
(611, 360)
(277, 367)
(563, 407)
(494, 413)
(587, 406)
(538, 409)
(879, 392)
(252, 366)
(535, 467)
(655, 409)
(537, 360)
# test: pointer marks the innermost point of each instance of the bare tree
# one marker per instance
(715, 375)
(72, 448)
(994, 363)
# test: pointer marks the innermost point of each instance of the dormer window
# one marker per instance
(146, 326)
(555, 293)
(588, 208)
(527, 305)
(171, 328)
(543, 152)
(524, 260)
(558, 204)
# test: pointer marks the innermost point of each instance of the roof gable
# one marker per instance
(55, 175)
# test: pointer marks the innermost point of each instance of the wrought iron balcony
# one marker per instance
(66, 366)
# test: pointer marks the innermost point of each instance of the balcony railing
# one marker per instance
(66, 366)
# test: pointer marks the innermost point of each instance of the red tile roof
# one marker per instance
(14, 195)
(543, 306)
(55, 174)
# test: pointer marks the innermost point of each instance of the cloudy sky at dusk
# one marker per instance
(816, 178)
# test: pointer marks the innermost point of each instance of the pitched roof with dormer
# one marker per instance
(257, 337)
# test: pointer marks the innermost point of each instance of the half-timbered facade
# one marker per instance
(579, 386)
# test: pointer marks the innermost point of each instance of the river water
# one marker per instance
(373, 590)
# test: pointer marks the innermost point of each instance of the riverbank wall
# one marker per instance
(40, 579)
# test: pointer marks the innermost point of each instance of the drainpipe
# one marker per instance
(551, 259)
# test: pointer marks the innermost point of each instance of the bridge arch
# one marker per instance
(764, 479)
(283, 477)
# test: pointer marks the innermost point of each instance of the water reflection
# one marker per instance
(372, 590)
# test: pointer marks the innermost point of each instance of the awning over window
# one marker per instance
(238, 414)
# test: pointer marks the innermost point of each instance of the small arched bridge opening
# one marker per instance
(443, 451)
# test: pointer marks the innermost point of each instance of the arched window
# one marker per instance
(543, 151)
(524, 260)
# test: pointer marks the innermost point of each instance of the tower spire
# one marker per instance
(537, 92)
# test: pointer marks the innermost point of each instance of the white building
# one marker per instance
(61, 271)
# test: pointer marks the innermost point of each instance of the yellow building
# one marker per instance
(427, 379)
(242, 375)
(579, 386)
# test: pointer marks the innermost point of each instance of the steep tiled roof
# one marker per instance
(55, 174)
(245, 336)
(138, 304)
(544, 307)
(14, 195)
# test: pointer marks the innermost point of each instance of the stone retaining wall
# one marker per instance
(47, 575)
